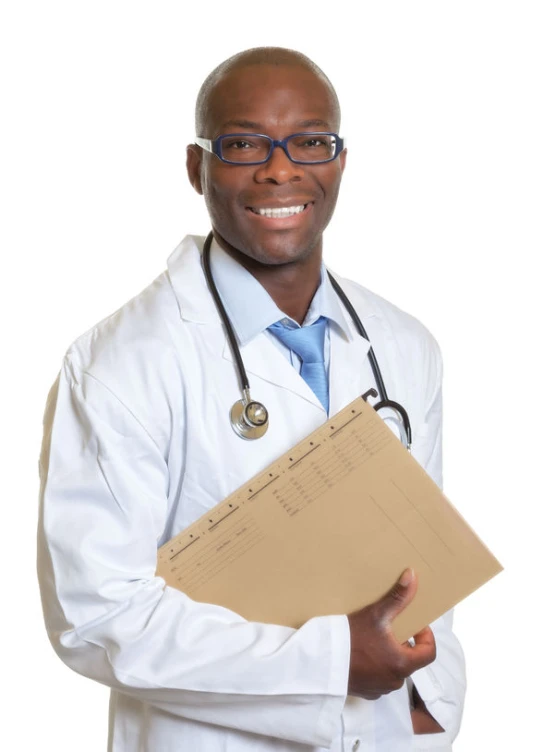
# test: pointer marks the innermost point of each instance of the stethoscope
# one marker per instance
(249, 418)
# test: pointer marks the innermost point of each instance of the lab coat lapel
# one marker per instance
(260, 356)
(189, 284)
(349, 372)
(263, 359)
(348, 368)
(348, 357)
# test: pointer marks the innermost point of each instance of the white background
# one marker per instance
(440, 212)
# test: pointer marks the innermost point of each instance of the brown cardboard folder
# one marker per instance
(328, 528)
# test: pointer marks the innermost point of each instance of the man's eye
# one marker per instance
(313, 142)
(237, 145)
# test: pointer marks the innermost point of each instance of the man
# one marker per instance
(138, 444)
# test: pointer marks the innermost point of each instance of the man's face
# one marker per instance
(275, 101)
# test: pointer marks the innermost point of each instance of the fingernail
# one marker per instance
(407, 576)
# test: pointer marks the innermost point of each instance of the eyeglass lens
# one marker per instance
(304, 148)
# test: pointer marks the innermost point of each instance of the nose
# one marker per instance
(279, 169)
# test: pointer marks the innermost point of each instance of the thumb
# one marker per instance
(398, 597)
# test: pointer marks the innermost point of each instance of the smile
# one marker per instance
(279, 213)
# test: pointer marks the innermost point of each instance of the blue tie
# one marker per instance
(308, 343)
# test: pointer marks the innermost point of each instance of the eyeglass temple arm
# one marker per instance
(205, 143)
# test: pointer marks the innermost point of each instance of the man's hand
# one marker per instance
(379, 663)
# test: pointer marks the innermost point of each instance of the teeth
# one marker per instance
(286, 211)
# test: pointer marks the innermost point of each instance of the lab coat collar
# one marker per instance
(196, 304)
(260, 354)
(241, 292)
(189, 283)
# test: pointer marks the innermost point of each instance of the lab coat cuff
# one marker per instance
(329, 722)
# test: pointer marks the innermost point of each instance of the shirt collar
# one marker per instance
(252, 310)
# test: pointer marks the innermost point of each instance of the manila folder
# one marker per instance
(327, 529)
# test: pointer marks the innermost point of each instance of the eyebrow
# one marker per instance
(251, 125)
(242, 124)
(313, 124)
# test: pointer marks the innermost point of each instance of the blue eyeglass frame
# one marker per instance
(215, 146)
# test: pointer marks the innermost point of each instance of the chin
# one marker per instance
(277, 257)
(278, 251)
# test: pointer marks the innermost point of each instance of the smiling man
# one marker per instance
(140, 442)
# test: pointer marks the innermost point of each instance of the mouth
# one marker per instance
(282, 212)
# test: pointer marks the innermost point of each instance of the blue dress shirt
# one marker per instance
(252, 310)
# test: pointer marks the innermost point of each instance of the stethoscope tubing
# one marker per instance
(377, 375)
(244, 381)
(242, 374)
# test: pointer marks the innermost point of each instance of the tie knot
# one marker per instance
(306, 341)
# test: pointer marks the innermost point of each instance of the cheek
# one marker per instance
(220, 188)
(333, 177)
(219, 203)
(328, 178)
(334, 184)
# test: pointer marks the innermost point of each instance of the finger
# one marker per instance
(398, 597)
(371, 695)
(423, 651)
(425, 637)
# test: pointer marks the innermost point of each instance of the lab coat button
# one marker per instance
(356, 745)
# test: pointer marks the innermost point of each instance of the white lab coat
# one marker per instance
(138, 445)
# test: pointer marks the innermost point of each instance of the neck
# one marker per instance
(291, 285)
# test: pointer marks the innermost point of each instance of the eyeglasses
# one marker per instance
(256, 148)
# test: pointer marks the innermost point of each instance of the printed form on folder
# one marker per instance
(327, 529)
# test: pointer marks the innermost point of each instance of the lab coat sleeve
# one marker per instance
(104, 486)
(441, 685)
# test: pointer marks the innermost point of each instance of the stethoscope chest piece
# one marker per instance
(249, 419)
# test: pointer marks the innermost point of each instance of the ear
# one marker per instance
(194, 164)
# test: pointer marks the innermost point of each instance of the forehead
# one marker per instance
(286, 96)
